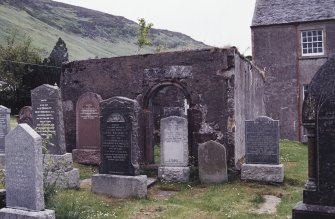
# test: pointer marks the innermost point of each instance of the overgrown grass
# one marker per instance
(86, 171)
(193, 200)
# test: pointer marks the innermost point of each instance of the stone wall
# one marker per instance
(206, 77)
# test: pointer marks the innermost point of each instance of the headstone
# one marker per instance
(212, 162)
(48, 116)
(174, 149)
(174, 111)
(119, 136)
(88, 129)
(24, 175)
(48, 122)
(26, 116)
(262, 141)
(318, 117)
(4, 129)
(262, 151)
(119, 132)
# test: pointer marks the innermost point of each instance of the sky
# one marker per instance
(218, 23)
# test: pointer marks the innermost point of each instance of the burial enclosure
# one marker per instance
(216, 90)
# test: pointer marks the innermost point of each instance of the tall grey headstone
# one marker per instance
(4, 129)
(48, 122)
(212, 160)
(119, 136)
(174, 149)
(24, 175)
(48, 116)
(262, 151)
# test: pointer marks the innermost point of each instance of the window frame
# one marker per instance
(302, 43)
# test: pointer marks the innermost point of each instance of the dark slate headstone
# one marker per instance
(26, 116)
(88, 121)
(262, 141)
(119, 136)
(4, 126)
(48, 117)
(318, 116)
(24, 169)
(212, 161)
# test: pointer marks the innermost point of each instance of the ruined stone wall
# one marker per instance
(201, 74)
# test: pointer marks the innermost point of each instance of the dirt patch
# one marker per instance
(269, 206)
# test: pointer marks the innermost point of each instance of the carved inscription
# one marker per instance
(20, 165)
(45, 118)
(262, 142)
(116, 145)
(3, 131)
(89, 112)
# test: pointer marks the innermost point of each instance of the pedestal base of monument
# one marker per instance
(174, 174)
(119, 186)
(86, 156)
(59, 168)
(307, 211)
(263, 172)
(8, 213)
(2, 161)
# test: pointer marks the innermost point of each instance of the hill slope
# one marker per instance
(87, 33)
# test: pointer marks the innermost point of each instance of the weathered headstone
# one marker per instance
(48, 117)
(262, 151)
(174, 111)
(24, 175)
(26, 116)
(174, 149)
(119, 168)
(318, 117)
(212, 162)
(4, 129)
(48, 122)
(88, 129)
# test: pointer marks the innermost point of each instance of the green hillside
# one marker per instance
(87, 33)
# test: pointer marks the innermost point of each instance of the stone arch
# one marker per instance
(153, 90)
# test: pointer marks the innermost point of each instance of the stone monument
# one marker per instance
(212, 162)
(24, 176)
(318, 117)
(25, 116)
(88, 129)
(48, 122)
(174, 150)
(119, 136)
(262, 151)
(4, 129)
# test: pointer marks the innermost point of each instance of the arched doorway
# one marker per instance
(168, 98)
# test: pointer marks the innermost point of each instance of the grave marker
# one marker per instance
(4, 129)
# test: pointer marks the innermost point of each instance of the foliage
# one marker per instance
(14, 54)
(142, 38)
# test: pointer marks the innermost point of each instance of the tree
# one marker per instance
(142, 39)
(15, 53)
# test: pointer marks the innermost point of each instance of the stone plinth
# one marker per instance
(10, 213)
(212, 162)
(60, 169)
(119, 186)
(174, 174)
(307, 211)
(263, 172)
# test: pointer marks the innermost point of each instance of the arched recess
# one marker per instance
(148, 121)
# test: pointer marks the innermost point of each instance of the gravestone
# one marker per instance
(174, 149)
(88, 129)
(318, 117)
(4, 129)
(48, 117)
(212, 162)
(24, 175)
(174, 111)
(26, 116)
(48, 122)
(119, 136)
(262, 151)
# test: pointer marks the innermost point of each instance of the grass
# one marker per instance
(193, 200)
(12, 122)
